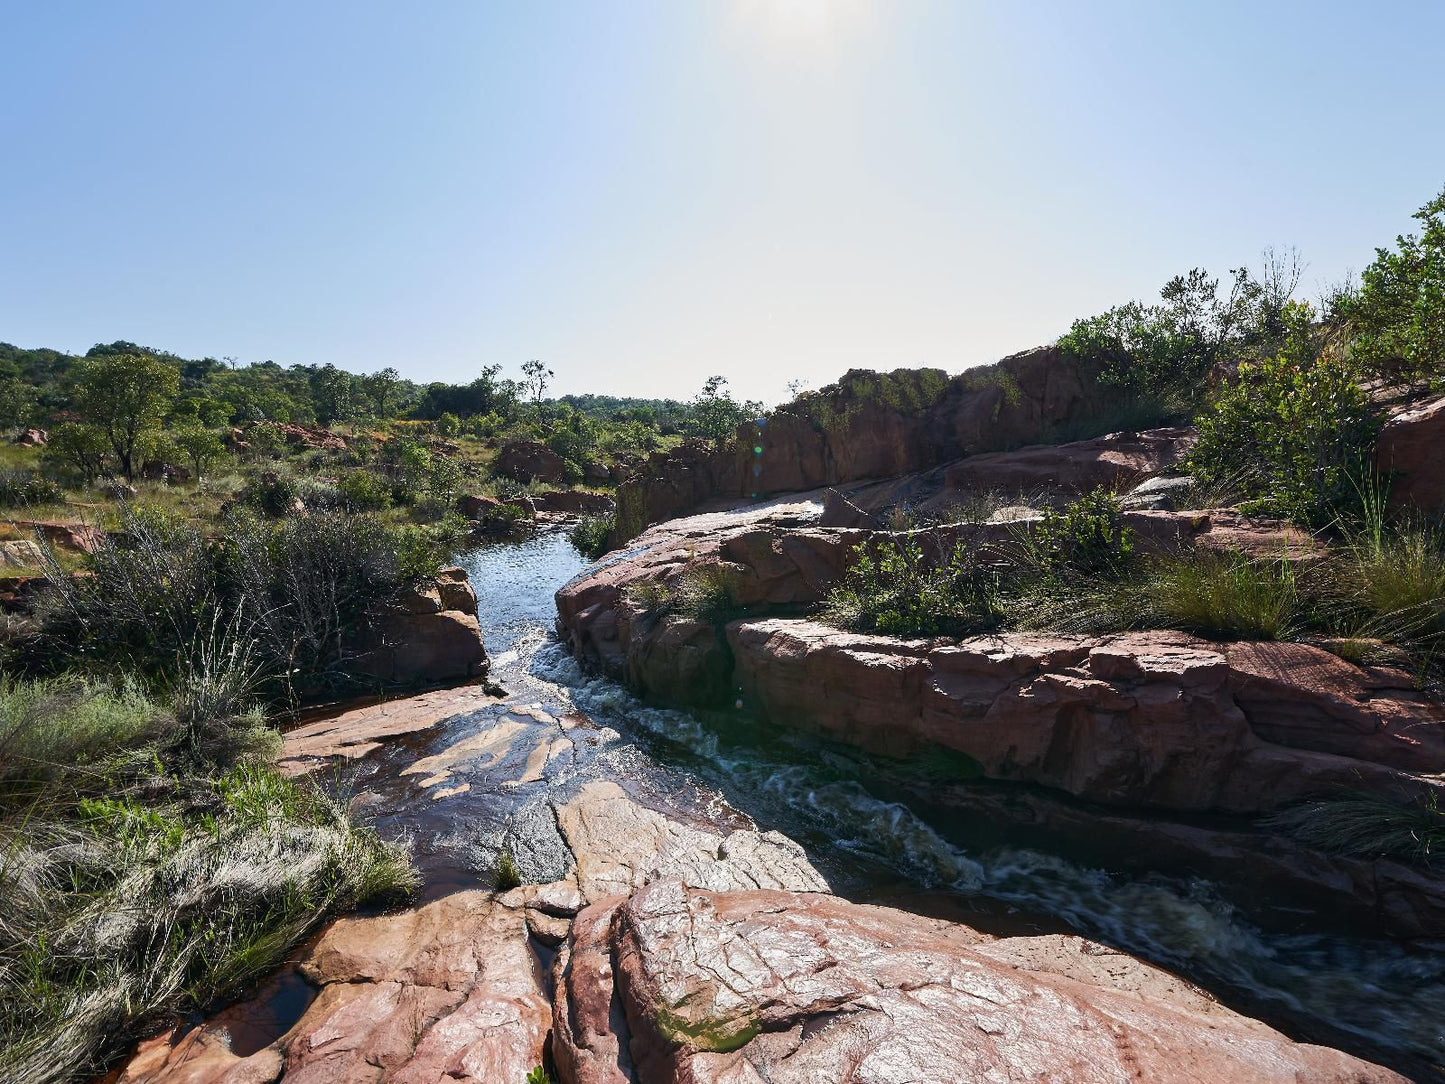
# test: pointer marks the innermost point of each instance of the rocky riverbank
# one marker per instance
(668, 945)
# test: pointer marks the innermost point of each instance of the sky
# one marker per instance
(644, 193)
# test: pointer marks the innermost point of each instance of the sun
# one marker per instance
(803, 21)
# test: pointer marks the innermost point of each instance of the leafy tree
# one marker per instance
(333, 394)
(716, 414)
(81, 448)
(16, 396)
(1166, 352)
(383, 389)
(125, 396)
(448, 425)
(1398, 313)
(535, 377)
(1294, 438)
(201, 446)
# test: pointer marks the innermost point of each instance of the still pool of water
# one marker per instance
(1381, 999)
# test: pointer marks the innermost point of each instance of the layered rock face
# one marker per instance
(1151, 730)
(870, 425)
(426, 637)
(676, 984)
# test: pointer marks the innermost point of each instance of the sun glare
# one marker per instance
(803, 22)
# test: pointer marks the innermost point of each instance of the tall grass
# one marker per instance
(1226, 596)
(1367, 826)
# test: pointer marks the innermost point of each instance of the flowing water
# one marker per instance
(1381, 999)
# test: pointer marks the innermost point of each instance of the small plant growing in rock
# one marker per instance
(538, 1076)
(707, 592)
(1088, 536)
(896, 590)
(507, 874)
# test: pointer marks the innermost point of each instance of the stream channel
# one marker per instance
(1382, 1000)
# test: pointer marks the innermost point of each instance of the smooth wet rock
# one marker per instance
(675, 984)
(620, 844)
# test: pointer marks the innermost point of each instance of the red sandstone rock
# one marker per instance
(82, 537)
(676, 985)
(868, 425)
(428, 635)
(1411, 453)
(474, 507)
(32, 438)
(529, 461)
(1114, 462)
(450, 991)
(1153, 719)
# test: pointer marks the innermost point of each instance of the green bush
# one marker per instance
(1089, 536)
(1295, 438)
(1227, 596)
(25, 488)
(895, 590)
(1398, 314)
(364, 491)
(1368, 826)
(272, 492)
(707, 592)
(590, 533)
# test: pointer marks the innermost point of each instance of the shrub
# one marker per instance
(1302, 434)
(166, 603)
(1089, 536)
(590, 533)
(25, 488)
(79, 450)
(896, 591)
(129, 910)
(707, 592)
(271, 492)
(1367, 826)
(1398, 313)
(364, 491)
(448, 424)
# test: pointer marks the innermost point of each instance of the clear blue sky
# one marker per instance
(645, 193)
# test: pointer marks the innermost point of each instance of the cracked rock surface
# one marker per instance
(677, 984)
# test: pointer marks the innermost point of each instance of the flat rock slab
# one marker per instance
(674, 984)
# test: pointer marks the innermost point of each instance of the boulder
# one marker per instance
(1161, 494)
(155, 471)
(475, 507)
(675, 984)
(21, 553)
(427, 635)
(529, 461)
(81, 537)
(1409, 455)
(450, 991)
(1118, 461)
(32, 438)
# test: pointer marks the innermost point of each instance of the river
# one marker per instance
(1380, 999)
